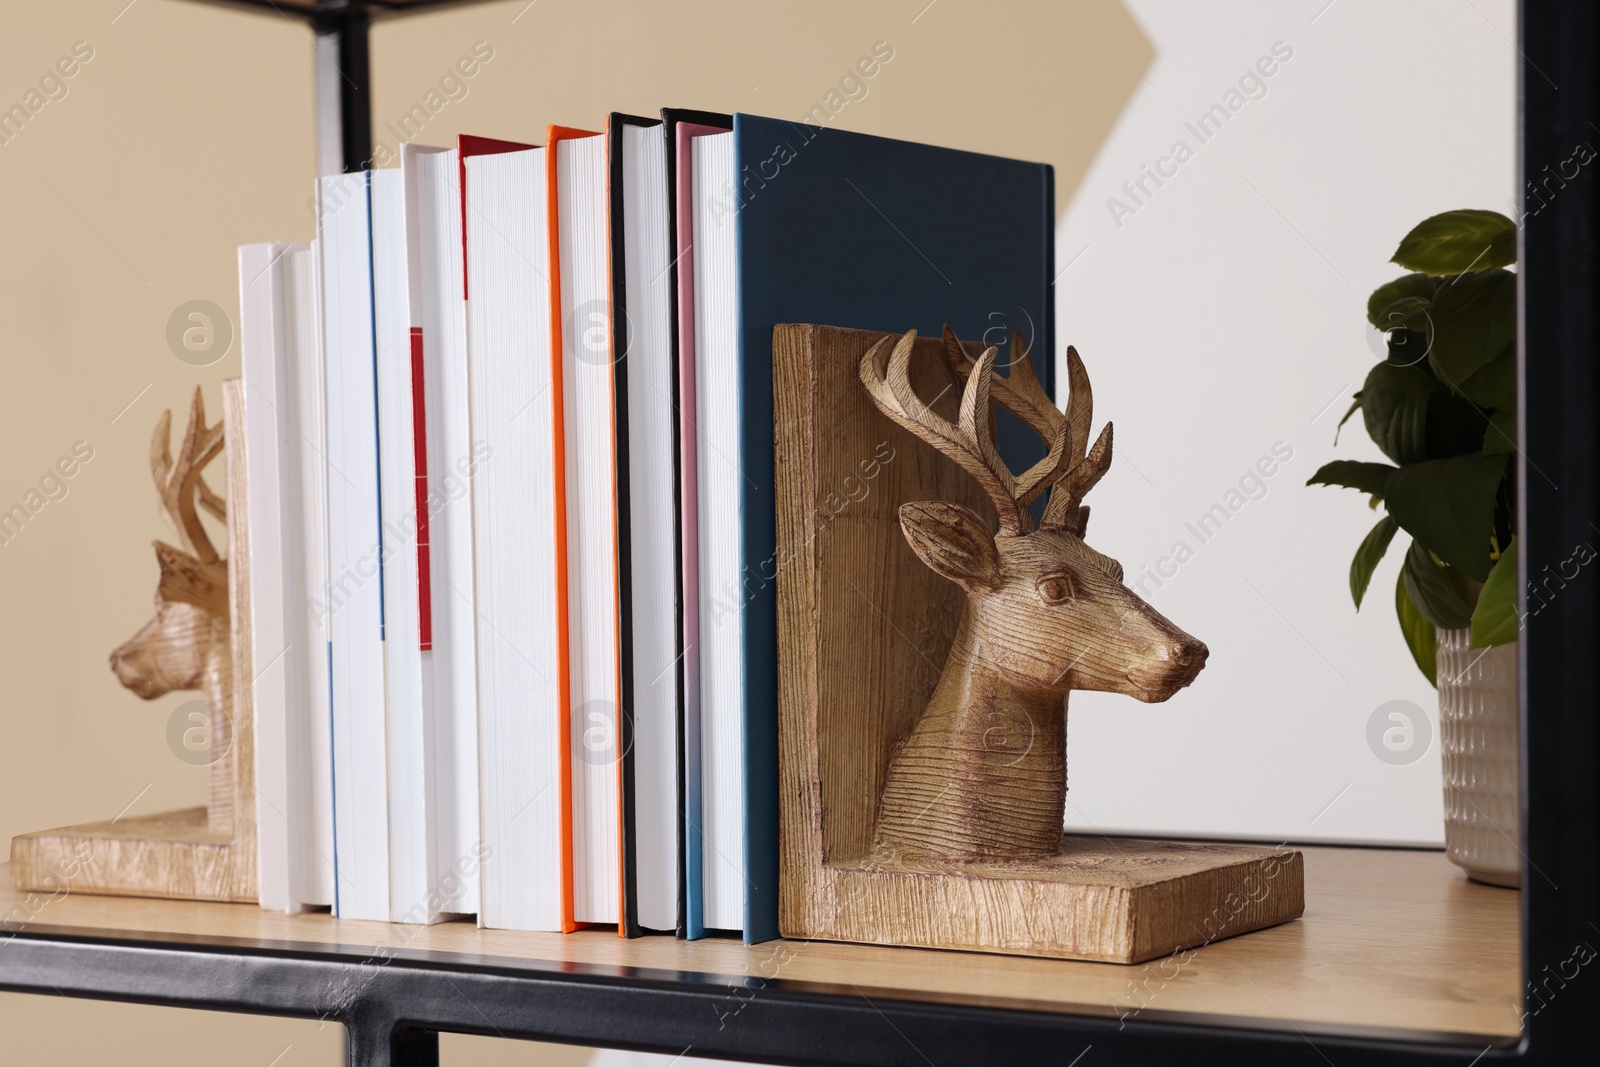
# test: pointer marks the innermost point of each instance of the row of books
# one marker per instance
(510, 473)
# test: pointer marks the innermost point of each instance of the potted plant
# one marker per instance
(1441, 405)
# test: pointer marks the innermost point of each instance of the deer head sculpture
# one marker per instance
(982, 776)
(186, 645)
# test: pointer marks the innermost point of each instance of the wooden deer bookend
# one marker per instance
(983, 774)
(922, 693)
(199, 639)
(187, 645)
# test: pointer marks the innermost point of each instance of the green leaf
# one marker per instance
(1409, 313)
(1459, 241)
(1501, 436)
(1448, 505)
(1431, 590)
(1355, 406)
(1455, 426)
(1373, 546)
(1494, 385)
(1495, 620)
(1409, 348)
(1353, 474)
(1384, 301)
(1394, 405)
(1421, 638)
(1474, 320)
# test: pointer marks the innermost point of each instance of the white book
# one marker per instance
(584, 306)
(439, 328)
(515, 505)
(408, 661)
(355, 569)
(651, 589)
(716, 344)
(279, 335)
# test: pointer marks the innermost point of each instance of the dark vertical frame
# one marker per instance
(1560, 669)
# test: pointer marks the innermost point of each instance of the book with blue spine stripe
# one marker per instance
(801, 224)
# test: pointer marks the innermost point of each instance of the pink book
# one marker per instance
(688, 513)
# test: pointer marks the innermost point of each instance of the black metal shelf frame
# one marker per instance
(343, 70)
(393, 1013)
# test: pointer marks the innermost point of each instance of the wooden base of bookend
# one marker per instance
(1115, 900)
(199, 853)
(173, 855)
(864, 630)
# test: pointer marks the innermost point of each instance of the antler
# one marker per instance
(179, 483)
(1070, 474)
(886, 375)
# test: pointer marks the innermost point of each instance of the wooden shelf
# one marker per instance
(1394, 944)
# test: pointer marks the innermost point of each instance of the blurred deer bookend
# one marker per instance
(198, 640)
(982, 776)
(187, 644)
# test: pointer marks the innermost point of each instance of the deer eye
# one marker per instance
(1056, 588)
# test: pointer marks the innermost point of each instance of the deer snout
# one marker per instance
(1171, 663)
(1189, 652)
(132, 677)
(124, 670)
(1183, 658)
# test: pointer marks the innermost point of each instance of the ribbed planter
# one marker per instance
(1478, 731)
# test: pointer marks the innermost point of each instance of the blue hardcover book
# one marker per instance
(845, 229)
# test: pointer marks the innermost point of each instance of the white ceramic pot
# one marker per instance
(1478, 733)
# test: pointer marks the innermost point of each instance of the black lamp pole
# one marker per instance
(343, 85)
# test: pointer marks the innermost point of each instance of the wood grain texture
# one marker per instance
(1393, 942)
(943, 828)
(983, 774)
(174, 855)
(240, 761)
(199, 639)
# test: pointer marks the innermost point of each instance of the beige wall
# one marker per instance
(1035, 80)
(188, 133)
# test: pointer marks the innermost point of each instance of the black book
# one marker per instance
(644, 374)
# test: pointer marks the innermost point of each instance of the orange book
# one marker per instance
(520, 519)
(586, 453)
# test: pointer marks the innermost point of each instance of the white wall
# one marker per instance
(1226, 314)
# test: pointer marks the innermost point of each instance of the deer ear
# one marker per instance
(952, 541)
(183, 578)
